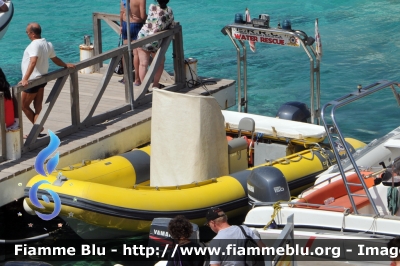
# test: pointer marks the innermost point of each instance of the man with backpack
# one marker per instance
(231, 239)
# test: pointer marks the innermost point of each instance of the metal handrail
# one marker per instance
(336, 175)
(293, 203)
(340, 102)
(314, 59)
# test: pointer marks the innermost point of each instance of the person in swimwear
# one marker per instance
(137, 17)
(160, 17)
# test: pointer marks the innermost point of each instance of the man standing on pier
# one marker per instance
(34, 64)
(137, 17)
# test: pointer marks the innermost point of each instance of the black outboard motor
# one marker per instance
(295, 111)
(267, 184)
(159, 235)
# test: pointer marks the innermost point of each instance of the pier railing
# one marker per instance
(60, 76)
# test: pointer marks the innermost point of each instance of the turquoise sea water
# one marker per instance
(361, 43)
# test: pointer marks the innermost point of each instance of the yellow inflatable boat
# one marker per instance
(114, 195)
(200, 158)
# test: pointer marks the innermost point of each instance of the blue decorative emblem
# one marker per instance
(46, 152)
(39, 167)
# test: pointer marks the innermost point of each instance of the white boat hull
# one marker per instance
(337, 237)
(325, 224)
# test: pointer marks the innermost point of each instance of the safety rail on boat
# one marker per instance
(296, 157)
(294, 38)
(305, 204)
(329, 180)
(293, 203)
(336, 104)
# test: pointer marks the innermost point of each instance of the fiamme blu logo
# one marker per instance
(40, 169)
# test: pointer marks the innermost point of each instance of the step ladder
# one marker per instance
(334, 132)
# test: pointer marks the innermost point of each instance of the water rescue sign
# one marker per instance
(265, 36)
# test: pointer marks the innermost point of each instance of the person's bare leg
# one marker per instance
(144, 59)
(136, 65)
(37, 103)
(27, 99)
(123, 64)
(158, 74)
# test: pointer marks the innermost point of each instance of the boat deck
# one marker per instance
(16, 173)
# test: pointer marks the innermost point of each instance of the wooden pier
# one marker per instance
(116, 135)
(94, 115)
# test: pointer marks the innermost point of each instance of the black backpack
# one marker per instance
(252, 259)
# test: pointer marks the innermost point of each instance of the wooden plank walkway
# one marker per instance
(113, 97)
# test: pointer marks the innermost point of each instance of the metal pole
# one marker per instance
(239, 75)
(130, 78)
(318, 91)
(312, 90)
(244, 76)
